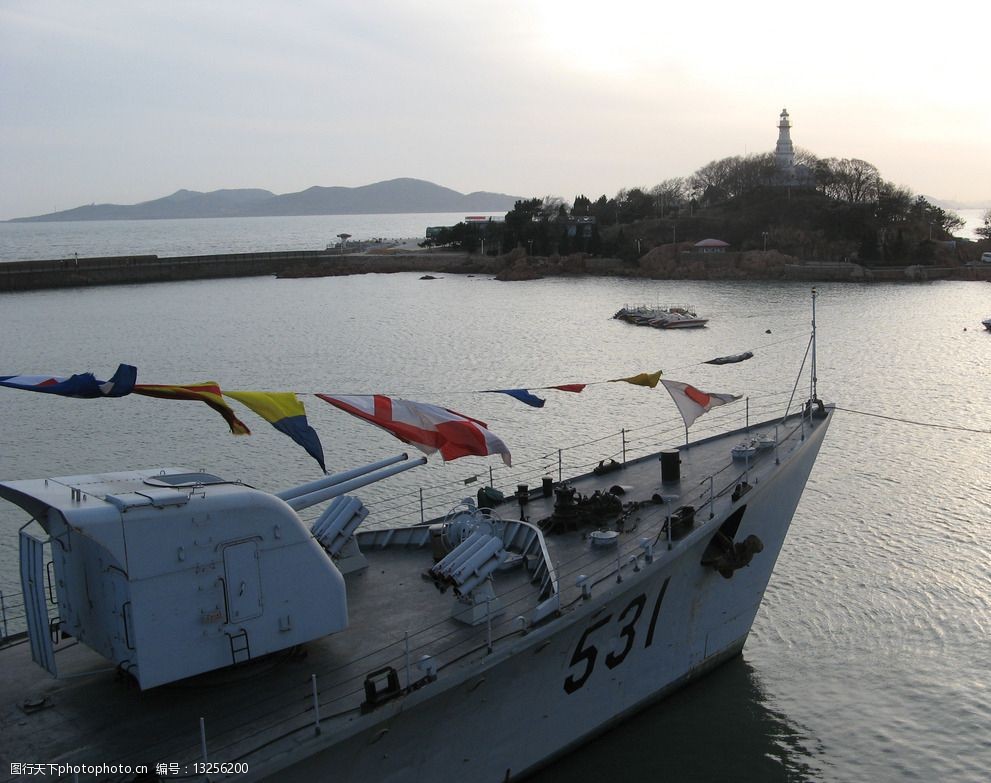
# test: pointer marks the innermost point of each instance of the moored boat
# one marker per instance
(481, 643)
(671, 317)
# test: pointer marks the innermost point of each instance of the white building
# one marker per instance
(788, 173)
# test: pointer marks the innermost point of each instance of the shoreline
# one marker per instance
(662, 263)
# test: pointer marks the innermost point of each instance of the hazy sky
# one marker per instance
(127, 101)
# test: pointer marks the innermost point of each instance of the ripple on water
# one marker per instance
(868, 658)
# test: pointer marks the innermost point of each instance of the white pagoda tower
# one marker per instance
(787, 172)
(784, 152)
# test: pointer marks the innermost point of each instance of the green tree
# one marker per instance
(604, 211)
(635, 204)
(581, 207)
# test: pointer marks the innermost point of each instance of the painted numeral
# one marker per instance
(628, 631)
(653, 615)
(587, 654)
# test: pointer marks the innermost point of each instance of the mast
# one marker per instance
(814, 379)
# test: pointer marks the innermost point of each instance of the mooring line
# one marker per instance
(916, 423)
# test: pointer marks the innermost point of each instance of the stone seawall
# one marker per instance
(658, 264)
(118, 270)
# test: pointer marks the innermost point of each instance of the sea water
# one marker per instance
(869, 656)
(206, 236)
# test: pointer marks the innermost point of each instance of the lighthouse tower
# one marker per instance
(784, 152)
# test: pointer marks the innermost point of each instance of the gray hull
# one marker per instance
(537, 696)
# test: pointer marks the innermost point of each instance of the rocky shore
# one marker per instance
(678, 262)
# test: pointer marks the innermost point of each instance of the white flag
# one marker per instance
(692, 402)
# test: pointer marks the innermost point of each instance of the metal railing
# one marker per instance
(331, 691)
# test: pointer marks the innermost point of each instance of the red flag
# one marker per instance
(208, 392)
(428, 427)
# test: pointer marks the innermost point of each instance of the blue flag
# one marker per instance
(523, 395)
(83, 385)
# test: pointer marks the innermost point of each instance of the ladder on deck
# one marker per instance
(239, 646)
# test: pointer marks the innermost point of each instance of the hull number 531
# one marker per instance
(586, 654)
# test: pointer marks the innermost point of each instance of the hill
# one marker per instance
(390, 196)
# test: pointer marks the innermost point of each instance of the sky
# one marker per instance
(125, 101)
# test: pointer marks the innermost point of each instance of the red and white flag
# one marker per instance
(429, 428)
(693, 402)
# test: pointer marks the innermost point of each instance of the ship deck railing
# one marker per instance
(432, 502)
(335, 692)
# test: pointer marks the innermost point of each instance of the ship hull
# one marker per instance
(628, 644)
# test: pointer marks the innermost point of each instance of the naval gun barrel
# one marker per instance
(337, 478)
(299, 502)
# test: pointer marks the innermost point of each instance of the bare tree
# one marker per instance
(670, 194)
(849, 179)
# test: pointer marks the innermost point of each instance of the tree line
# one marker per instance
(842, 208)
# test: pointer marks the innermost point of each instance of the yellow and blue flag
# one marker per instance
(286, 413)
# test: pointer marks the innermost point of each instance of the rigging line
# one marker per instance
(799, 377)
(752, 350)
(916, 423)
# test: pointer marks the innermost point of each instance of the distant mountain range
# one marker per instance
(943, 203)
(391, 196)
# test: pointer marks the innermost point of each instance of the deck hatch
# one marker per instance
(159, 498)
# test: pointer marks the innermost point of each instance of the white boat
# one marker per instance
(744, 450)
(169, 629)
(752, 445)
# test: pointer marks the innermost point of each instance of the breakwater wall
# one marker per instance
(119, 270)
(77, 272)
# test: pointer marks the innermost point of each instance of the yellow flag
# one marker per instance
(271, 406)
(643, 379)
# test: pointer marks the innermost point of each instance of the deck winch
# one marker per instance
(572, 510)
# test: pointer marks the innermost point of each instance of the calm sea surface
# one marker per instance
(205, 236)
(869, 659)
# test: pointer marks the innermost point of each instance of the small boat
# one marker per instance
(671, 317)
(750, 447)
(744, 450)
(765, 441)
(987, 324)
